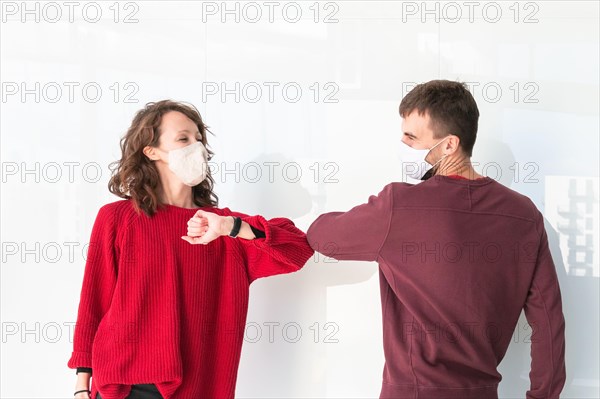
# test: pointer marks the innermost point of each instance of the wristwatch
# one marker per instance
(237, 224)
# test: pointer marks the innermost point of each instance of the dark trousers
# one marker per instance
(141, 391)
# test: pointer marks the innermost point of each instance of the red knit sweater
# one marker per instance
(156, 309)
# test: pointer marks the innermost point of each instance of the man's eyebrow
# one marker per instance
(186, 131)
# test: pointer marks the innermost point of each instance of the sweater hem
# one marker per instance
(389, 390)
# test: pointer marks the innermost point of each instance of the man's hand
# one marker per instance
(204, 227)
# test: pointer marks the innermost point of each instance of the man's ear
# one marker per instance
(453, 144)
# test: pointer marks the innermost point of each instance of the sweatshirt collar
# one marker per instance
(462, 180)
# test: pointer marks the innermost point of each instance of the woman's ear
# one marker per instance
(150, 152)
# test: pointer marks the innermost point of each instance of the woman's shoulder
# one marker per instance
(118, 212)
(115, 206)
(118, 216)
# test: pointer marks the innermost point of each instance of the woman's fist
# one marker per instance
(204, 227)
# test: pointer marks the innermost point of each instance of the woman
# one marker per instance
(159, 316)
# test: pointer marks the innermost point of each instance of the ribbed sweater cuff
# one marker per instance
(284, 243)
(260, 223)
(80, 359)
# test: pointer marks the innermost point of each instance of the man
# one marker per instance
(460, 255)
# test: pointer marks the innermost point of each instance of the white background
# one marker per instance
(533, 69)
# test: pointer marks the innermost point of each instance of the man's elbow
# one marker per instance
(316, 233)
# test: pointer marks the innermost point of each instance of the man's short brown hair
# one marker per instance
(451, 109)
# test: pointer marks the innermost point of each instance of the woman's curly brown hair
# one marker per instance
(135, 177)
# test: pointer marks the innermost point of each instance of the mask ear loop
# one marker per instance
(156, 148)
(459, 162)
(163, 151)
(433, 168)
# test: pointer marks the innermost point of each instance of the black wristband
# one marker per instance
(84, 370)
(237, 224)
(83, 390)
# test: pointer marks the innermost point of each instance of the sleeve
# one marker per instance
(281, 249)
(99, 280)
(257, 233)
(357, 234)
(543, 310)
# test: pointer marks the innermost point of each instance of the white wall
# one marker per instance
(533, 70)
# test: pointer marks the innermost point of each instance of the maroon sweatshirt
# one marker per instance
(458, 261)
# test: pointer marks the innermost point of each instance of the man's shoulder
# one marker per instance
(502, 199)
(507, 201)
(517, 198)
(396, 186)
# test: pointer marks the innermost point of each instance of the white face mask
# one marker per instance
(189, 163)
(413, 161)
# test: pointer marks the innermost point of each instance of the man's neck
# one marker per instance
(458, 167)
